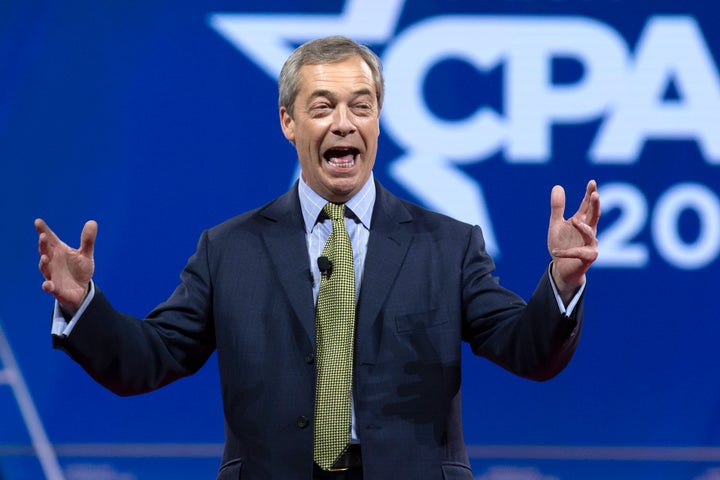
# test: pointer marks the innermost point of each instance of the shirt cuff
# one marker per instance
(567, 311)
(61, 326)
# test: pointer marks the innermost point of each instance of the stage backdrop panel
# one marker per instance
(159, 119)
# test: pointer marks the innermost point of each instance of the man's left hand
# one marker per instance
(573, 242)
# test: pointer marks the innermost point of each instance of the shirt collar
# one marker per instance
(361, 204)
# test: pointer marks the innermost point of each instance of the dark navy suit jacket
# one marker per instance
(247, 293)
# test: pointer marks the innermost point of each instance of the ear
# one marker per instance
(287, 124)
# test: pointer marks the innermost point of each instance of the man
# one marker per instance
(422, 283)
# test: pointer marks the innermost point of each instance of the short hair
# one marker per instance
(326, 50)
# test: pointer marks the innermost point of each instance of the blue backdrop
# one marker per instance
(159, 119)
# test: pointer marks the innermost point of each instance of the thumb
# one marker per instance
(557, 204)
(87, 238)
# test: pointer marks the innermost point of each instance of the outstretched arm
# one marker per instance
(573, 242)
(67, 271)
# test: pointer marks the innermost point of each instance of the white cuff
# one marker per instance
(60, 326)
(567, 311)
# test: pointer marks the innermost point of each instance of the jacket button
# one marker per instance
(302, 421)
(310, 358)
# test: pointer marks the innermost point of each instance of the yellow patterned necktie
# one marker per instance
(334, 324)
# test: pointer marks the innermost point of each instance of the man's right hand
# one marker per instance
(67, 271)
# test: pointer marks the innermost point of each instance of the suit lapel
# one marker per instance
(388, 243)
(287, 247)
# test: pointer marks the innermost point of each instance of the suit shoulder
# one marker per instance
(429, 218)
(250, 222)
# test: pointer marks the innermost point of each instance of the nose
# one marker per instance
(342, 125)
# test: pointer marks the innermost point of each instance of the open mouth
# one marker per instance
(341, 157)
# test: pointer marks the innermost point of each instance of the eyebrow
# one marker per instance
(327, 93)
(320, 93)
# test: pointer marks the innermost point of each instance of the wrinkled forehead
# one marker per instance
(351, 75)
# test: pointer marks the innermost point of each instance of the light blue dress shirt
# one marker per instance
(358, 213)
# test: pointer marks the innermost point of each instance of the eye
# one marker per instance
(320, 108)
(363, 108)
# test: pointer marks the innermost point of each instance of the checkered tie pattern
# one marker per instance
(334, 324)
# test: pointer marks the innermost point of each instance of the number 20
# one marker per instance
(617, 245)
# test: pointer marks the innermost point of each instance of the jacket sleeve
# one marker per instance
(534, 339)
(129, 355)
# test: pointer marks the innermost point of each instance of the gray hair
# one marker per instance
(324, 51)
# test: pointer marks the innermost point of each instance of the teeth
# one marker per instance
(341, 165)
(341, 157)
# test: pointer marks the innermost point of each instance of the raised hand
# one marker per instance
(573, 243)
(67, 271)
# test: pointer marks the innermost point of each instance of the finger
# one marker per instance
(42, 228)
(45, 237)
(595, 212)
(586, 231)
(40, 225)
(87, 238)
(48, 286)
(43, 244)
(557, 204)
(48, 244)
(590, 206)
(43, 266)
(584, 254)
(592, 186)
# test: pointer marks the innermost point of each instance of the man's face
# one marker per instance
(335, 127)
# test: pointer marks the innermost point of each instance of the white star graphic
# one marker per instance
(268, 39)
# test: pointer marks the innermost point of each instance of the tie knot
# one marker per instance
(335, 211)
